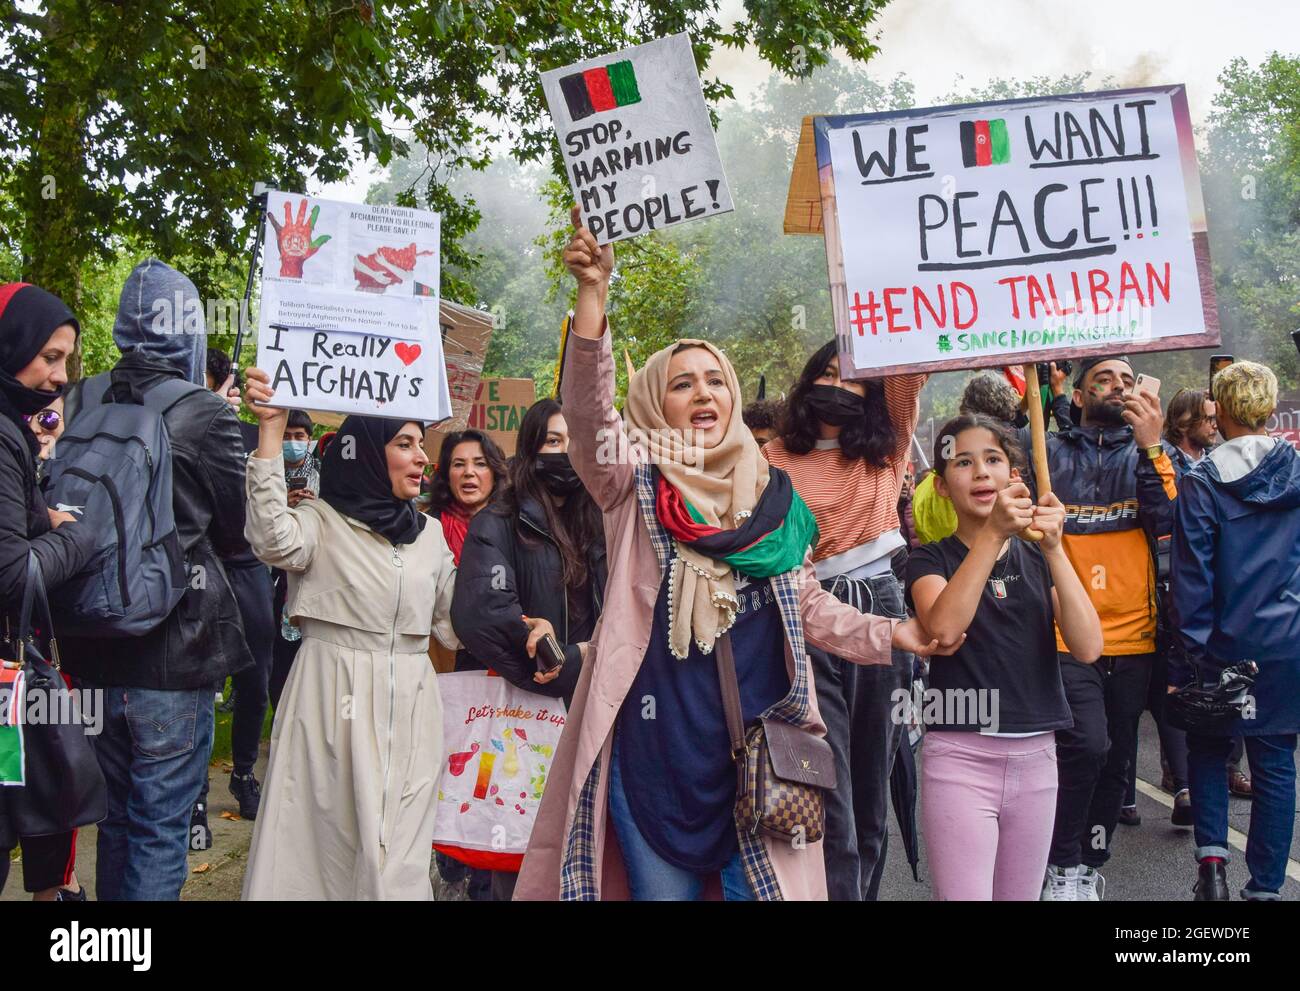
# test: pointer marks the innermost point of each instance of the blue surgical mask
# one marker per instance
(294, 450)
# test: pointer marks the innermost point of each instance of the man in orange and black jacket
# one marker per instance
(1117, 484)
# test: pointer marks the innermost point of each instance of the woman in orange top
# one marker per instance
(845, 444)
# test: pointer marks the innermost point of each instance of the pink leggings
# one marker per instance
(987, 807)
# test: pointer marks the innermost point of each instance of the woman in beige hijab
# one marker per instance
(705, 540)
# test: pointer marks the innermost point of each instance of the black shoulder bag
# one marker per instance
(65, 788)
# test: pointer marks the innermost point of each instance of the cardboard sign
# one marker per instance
(636, 138)
(1285, 421)
(348, 318)
(1005, 233)
(498, 408)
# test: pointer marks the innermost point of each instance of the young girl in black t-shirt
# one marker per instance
(988, 778)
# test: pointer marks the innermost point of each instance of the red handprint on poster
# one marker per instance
(294, 238)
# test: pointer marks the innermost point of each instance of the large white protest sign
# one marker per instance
(636, 139)
(348, 319)
(1004, 233)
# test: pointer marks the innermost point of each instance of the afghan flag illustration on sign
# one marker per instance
(636, 139)
(597, 90)
(985, 142)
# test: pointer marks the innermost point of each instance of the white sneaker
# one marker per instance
(1092, 886)
(1061, 884)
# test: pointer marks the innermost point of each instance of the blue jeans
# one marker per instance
(154, 752)
(1272, 813)
(651, 878)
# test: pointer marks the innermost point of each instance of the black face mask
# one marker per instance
(836, 406)
(557, 474)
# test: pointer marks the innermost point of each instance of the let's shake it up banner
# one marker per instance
(1001, 233)
(636, 139)
(348, 319)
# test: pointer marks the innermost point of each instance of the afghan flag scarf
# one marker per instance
(771, 541)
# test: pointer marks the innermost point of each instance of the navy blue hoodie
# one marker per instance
(1235, 580)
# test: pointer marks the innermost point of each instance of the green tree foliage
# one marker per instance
(149, 122)
(1251, 176)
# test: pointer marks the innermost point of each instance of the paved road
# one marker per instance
(1150, 862)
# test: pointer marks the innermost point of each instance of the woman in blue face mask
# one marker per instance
(538, 552)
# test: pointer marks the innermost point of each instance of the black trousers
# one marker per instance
(48, 861)
(857, 703)
(1106, 700)
(253, 594)
(1173, 741)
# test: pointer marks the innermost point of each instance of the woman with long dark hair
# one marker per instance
(471, 474)
(844, 444)
(534, 564)
(539, 554)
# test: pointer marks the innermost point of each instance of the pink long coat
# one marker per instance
(603, 459)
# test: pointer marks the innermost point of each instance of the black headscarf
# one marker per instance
(28, 318)
(358, 486)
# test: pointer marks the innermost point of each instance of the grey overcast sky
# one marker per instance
(1138, 42)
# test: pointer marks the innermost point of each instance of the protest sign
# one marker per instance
(498, 744)
(348, 317)
(1012, 232)
(1285, 421)
(497, 409)
(636, 138)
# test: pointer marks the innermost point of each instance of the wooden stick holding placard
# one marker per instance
(1037, 442)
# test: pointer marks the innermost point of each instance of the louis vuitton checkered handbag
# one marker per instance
(781, 770)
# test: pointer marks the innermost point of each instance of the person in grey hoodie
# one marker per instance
(157, 703)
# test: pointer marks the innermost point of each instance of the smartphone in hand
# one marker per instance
(550, 655)
(1148, 384)
(1218, 362)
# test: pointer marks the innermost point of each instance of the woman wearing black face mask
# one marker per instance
(538, 553)
(845, 445)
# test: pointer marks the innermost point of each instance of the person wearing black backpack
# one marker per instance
(37, 334)
(158, 715)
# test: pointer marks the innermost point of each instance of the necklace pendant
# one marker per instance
(999, 588)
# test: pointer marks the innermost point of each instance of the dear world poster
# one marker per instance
(1001, 233)
(637, 141)
(348, 318)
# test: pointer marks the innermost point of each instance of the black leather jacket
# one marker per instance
(202, 641)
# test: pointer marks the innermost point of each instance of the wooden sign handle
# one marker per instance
(1037, 442)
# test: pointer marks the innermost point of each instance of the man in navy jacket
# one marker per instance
(1235, 583)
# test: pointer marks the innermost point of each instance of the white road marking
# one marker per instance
(1236, 838)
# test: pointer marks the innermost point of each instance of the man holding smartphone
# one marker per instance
(1117, 484)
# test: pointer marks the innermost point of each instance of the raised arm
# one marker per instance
(902, 399)
(281, 537)
(598, 447)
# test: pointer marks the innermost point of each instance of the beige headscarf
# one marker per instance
(722, 482)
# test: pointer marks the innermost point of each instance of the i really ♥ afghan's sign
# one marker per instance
(1003, 233)
(636, 138)
(348, 320)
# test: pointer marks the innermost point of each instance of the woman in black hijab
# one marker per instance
(37, 334)
(352, 786)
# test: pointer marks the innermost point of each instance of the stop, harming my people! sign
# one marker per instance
(1003, 233)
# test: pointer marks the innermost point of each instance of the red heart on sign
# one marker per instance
(407, 352)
